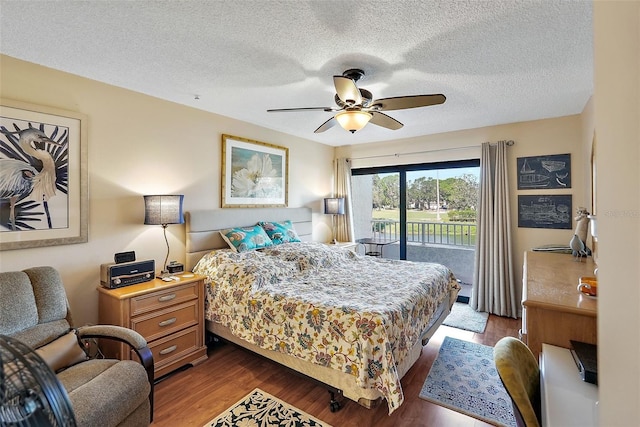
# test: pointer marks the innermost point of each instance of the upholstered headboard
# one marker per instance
(203, 226)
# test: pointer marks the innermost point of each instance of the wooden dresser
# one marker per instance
(553, 311)
(169, 315)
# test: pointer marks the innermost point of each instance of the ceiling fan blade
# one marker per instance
(385, 121)
(326, 125)
(279, 110)
(347, 90)
(404, 102)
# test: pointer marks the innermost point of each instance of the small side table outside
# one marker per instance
(375, 246)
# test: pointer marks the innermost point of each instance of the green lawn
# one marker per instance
(411, 215)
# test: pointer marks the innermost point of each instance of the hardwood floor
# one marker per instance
(194, 396)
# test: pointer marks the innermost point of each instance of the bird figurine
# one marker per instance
(578, 248)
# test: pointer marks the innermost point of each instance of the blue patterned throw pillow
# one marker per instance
(280, 232)
(242, 239)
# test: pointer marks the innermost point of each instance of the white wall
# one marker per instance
(142, 145)
(617, 124)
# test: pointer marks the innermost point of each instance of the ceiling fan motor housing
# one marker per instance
(354, 74)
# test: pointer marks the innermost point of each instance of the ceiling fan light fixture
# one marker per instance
(353, 120)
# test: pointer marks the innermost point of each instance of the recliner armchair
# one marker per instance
(103, 392)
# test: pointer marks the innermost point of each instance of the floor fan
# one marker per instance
(30, 393)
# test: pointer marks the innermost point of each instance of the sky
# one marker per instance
(440, 173)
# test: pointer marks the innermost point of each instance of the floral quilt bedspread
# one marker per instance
(327, 305)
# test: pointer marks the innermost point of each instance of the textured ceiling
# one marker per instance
(496, 61)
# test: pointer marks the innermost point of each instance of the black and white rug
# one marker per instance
(260, 409)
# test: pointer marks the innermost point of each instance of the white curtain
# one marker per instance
(344, 223)
(494, 289)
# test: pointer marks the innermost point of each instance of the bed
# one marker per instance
(316, 308)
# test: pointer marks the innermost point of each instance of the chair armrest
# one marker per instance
(119, 333)
(127, 336)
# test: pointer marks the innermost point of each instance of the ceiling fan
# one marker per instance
(356, 106)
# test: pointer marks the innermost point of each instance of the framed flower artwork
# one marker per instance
(254, 174)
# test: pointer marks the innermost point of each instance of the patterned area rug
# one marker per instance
(464, 317)
(464, 378)
(260, 409)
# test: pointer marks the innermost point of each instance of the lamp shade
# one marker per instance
(162, 210)
(334, 205)
(353, 120)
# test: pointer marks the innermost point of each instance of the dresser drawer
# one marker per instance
(164, 322)
(167, 297)
(171, 348)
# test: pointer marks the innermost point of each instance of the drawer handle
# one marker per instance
(168, 322)
(166, 298)
(168, 350)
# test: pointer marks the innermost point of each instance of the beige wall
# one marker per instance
(540, 137)
(617, 124)
(139, 144)
(142, 145)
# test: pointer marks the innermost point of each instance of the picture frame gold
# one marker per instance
(51, 206)
(254, 173)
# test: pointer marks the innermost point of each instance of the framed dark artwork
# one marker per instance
(548, 211)
(254, 173)
(43, 176)
(544, 172)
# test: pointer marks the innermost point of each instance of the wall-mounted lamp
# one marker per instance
(163, 210)
(353, 120)
(334, 206)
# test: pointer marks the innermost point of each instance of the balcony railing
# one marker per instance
(423, 232)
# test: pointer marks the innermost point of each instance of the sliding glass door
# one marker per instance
(423, 212)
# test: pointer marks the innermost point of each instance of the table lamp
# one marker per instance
(334, 206)
(163, 210)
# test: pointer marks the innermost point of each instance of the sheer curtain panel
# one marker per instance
(344, 223)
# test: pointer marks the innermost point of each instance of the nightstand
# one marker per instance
(169, 315)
